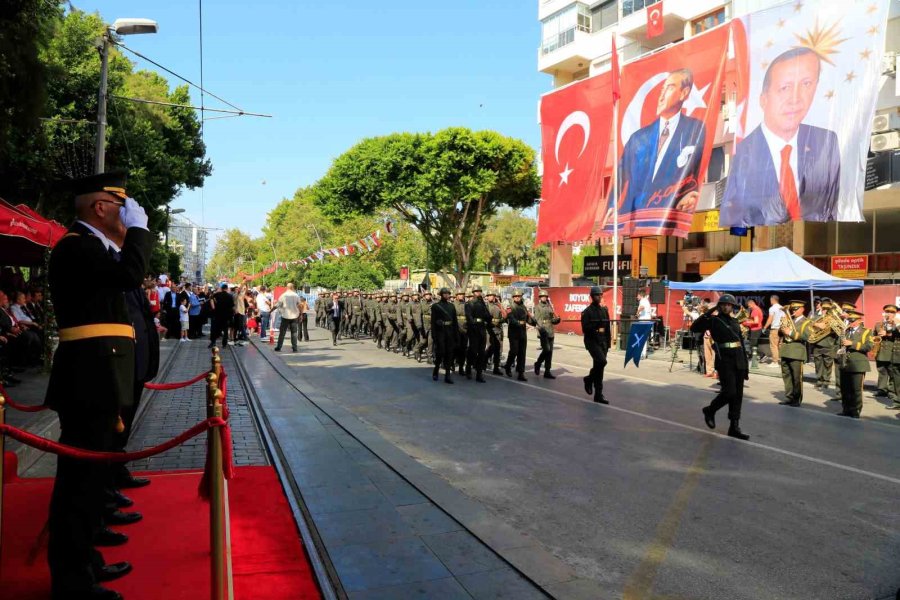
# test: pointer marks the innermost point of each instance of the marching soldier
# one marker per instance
(846, 307)
(854, 360)
(391, 333)
(93, 372)
(415, 325)
(403, 323)
(891, 337)
(794, 331)
(478, 318)
(356, 321)
(444, 331)
(732, 363)
(495, 331)
(425, 337)
(377, 325)
(885, 329)
(517, 319)
(459, 305)
(823, 352)
(546, 318)
(597, 338)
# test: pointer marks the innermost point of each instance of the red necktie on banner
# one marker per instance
(788, 186)
(655, 24)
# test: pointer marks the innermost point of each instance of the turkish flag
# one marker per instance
(655, 24)
(576, 126)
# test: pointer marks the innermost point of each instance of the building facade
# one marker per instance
(189, 240)
(576, 38)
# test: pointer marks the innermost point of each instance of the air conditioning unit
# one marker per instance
(885, 122)
(885, 141)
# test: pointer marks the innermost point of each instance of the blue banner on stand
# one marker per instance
(638, 337)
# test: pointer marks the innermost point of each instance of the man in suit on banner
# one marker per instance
(785, 170)
(661, 162)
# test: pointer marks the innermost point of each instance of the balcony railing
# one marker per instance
(564, 38)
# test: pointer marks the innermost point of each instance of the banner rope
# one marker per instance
(176, 385)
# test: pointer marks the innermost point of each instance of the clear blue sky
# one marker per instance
(332, 73)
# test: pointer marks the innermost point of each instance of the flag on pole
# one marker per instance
(637, 339)
(655, 25)
(616, 91)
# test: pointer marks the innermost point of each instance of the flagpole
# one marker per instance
(615, 186)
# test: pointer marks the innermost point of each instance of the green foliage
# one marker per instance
(235, 250)
(445, 184)
(508, 241)
(578, 259)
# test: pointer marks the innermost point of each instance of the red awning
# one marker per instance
(24, 234)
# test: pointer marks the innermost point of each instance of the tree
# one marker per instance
(445, 184)
(508, 240)
(578, 259)
(235, 250)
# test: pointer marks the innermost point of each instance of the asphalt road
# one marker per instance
(639, 497)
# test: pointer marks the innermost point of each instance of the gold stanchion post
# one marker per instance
(216, 499)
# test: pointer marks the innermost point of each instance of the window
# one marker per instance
(708, 22)
(887, 224)
(694, 240)
(819, 238)
(559, 30)
(630, 6)
(856, 237)
(604, 15)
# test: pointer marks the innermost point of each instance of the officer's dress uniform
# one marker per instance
(793, 355)
(391, 311)
(883, 360)
(444, 330)
(823, 357)
(595, 329)
(853, 372)
(546, 319)
(495, 333)
(892, 338)
(478, 318)
(91, 383)
(425, 339)
(516, 321)
(732, 365)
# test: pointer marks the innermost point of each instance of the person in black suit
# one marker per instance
(335, 312)
(170, 303)
(222, 308)
(660, 166)
(785, 170)
(595, 327)
(92, 378)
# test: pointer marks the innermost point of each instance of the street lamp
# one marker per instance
(169, 213)
(120, 27)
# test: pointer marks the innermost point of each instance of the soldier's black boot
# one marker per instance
(447, 378)
(435, 373)
(468, 372)
(709, 416)
(479, 377)
(588, 385)
(735, 430)
(497, 370)
(537, 368)
(521, 377)
(549, 375)
(508, 370)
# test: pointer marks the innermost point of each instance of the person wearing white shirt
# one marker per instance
(289, 307)
(264, 305)
(776, 312)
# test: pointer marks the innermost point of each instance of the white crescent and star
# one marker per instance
(577, 118)
(655, 14)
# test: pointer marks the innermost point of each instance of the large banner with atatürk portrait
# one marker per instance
(670, 104)
(804, 112)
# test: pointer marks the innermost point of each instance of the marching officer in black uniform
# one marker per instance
(546, 318)
(517, 319)
(478, 318)
(92, 379)
(445, 331)
(731, 364)
(597, 339)
(854, 360)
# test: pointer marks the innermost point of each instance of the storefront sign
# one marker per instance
(602, 266)
(706, 222)
(854, 266)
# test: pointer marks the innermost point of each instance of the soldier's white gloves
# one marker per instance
(133, 215)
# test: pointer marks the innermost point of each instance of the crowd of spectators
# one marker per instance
(22, 322)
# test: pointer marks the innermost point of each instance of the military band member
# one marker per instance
(546, 318)
(495, 331)
(462, 342)
(823, 351)
(794, 331)
(445, 331)
(732, 363)
(92, 376)
(597, 338)
(856, 344)
(478, 319)
(891, 337)
(845, 309)
(885, 329)
(517, 320)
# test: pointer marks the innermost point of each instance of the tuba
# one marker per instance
(835, 324)
(741, 316)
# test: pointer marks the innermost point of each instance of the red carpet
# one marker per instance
(169, 548)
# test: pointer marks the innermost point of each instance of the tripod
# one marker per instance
(678, 342)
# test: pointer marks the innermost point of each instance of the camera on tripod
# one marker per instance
(690, 300)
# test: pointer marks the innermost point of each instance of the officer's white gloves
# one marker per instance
(133, 215)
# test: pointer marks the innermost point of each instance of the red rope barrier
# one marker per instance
(176, 385)
(46, 445)
(23, 407)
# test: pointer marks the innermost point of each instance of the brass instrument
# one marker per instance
(835, 324)
(787, 327)
(840, 357)
(876, 344)
(741, 316)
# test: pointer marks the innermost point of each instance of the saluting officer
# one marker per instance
(884, 329)
(597, 339)
(794, 332)
(546, 318)
(92, 378)
(856, 344)
(731, 364)
(445, 331)
(517, 320)
(478, 318)
(495, 331)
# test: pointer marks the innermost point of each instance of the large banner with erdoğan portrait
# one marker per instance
(668, 112)
(805, 109)
(576, 123)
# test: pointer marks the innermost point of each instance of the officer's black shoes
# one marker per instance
(132, 482)
(537, 369)
(211, 346)
(600, 400)
(447, 379)
(113, 571)
(469, 373)
(709, 416)
(549, 375)
(508, 370)
(735, 431)
(435, 373)
(121, 500)
(480, 378)
(521, 377)
(881, 394)
(276, 349)
(588, 386)
(497, 371)
(108, 537)
(789, 402)
(852, 415)
(122, 518)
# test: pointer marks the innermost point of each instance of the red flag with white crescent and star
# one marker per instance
(576, 124)
(668, 115)
(655, 25)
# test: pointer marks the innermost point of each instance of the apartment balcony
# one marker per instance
(677, 18)
(568, 52)
(549, 7)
